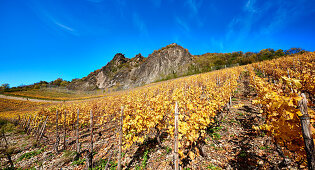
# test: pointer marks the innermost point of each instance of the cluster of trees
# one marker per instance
(56, 83)
(4, 87)
(211, 61)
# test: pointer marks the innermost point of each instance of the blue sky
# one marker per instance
(47, 39)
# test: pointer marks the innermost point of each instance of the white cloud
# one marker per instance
(67, 28)
(194, 5)
(250, 6)
(182, 23)
(139, 24)
(50, 19)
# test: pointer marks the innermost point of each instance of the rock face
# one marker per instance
(124, 73)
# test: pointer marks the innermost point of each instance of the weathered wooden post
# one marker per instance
(32, 124)
(42, 130)
(90, 154)
(107, 163)
(28, 124)
(64, 131)
(6, 148)
(230, 99)
(23, 122)
(307, 133)
(19, 120)
(77, 133)
(57, 134)
(120, 138)
(176, 157)
(38, 126)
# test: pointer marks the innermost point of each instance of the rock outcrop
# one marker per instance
(124, 73)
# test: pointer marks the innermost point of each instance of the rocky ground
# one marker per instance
(231, 143)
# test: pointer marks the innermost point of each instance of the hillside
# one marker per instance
(124, 73)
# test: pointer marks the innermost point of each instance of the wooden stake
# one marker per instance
(120, 138)
(77, 133)
(176, 157)
(107, 163)
(27, 124)
(19, 120)
(32, 124)
(6, 147)
(42, 130)
(57, 135)
(230, 101)
(38, 126)
(90, 154)
(64, 131)
(307, 133)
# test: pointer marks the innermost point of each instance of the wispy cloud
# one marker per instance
(194, 5)
(51, 20)
(139, 24)
(62, 26)
(249, 6)
(182, 24)
(253, 21)
(217, 44)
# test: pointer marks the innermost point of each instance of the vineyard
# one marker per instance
(182, 114)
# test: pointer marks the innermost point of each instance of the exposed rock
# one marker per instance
(124, 73)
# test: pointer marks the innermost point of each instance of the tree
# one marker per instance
(294, 51)
(57, 82)
(5, 86)
(64, 83)
(279, 53)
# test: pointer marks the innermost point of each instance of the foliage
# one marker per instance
(29, 155)
(79, 162)
(278, 97)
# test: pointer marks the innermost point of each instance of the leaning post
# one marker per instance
(307, 133)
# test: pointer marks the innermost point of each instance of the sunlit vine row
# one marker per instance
(279, 100)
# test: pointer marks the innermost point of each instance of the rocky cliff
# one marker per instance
(124, 73)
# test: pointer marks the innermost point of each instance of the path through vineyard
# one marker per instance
(231, 143)
(42, 100)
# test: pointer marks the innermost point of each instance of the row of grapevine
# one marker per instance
(279, 84)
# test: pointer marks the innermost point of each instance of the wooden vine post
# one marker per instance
(19, 119)
(57, 135)
(64, 131)
(176, 157)
(120, 138)
(38, 126)
(230, 99)
(42, 130)
(32, 125)
(6, 148)
(27, 124)
(307, 133)
(90, 154)
(77, 133)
